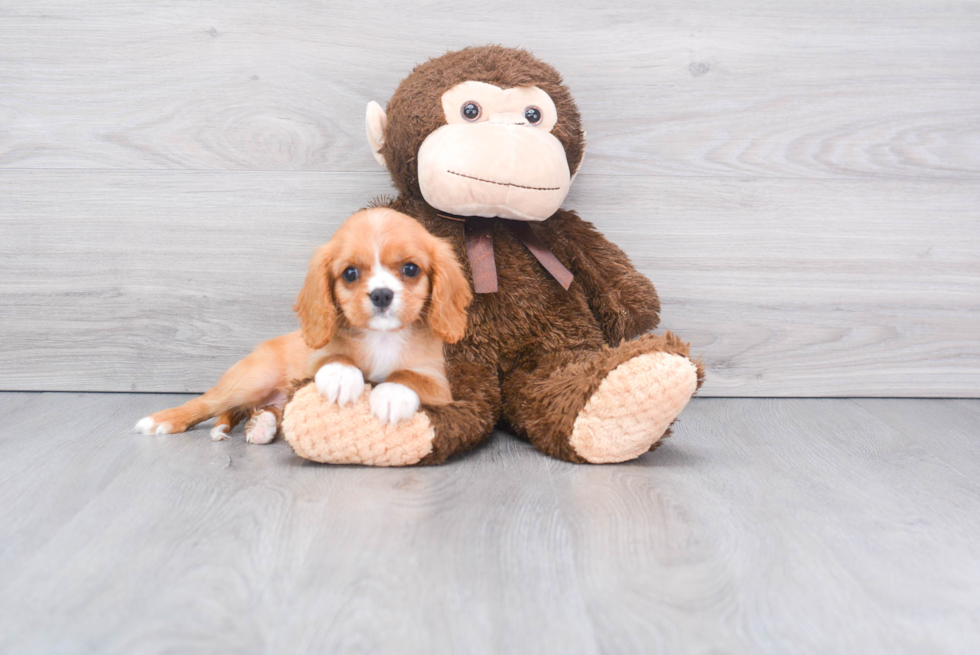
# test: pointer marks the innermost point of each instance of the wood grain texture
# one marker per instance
(784, 526)
(722, 88)
(801, 181)
(156, 281)
(761, 526)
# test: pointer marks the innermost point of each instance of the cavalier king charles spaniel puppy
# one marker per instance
(380, 300)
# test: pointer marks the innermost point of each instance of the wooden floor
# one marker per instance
(763, 526)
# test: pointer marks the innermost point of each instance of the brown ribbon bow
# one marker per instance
(479, 249)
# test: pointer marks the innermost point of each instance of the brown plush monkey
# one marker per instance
(482, 145)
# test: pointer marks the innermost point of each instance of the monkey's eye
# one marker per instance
(349, 274)
(410, 270)
(470, 110)
(533, 115)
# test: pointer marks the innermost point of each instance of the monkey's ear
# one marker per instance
(376, 121)
(580, 159)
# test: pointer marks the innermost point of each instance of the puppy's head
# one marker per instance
(384, 272)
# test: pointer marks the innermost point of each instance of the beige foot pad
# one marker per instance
(324, 432)
(633, 407)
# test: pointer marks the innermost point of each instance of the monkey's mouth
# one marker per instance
(516, 186)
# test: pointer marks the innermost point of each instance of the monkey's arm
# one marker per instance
(622, 299)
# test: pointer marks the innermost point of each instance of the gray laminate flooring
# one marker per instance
(763, 526)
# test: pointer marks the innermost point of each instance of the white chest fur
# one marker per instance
(382, 352)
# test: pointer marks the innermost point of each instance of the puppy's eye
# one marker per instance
(533, 115)
(410, 270)
(470, 110)
(349, 274)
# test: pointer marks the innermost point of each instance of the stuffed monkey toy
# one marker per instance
(482, 145)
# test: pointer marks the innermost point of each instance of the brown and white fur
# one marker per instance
(403, 296)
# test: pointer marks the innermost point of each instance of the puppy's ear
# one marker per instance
(314, 307)
(450, 294)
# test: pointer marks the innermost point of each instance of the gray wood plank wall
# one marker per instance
(800, 180)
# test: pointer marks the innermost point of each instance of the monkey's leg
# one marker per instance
(471, 416)
(600, 406)
(325, 432)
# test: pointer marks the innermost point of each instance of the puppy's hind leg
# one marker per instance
(246, 384)
(226, 423)
(263, 426)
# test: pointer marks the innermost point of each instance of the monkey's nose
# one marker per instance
(381, 298)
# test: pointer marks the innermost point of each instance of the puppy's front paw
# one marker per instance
(339, 383)
(392, 402)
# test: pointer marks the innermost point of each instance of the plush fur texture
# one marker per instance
(325, 432)
(415, 110)
(633, 406)
(535, 356)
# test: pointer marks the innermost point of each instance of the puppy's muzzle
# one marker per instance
(381, 298)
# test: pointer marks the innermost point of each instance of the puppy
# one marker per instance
(380, 300)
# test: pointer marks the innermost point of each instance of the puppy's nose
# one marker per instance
(381, 298)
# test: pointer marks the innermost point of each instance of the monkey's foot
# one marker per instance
(322, 431)
(633, 407)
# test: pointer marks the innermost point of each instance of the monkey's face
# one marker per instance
(496, 155)
(492, 150)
